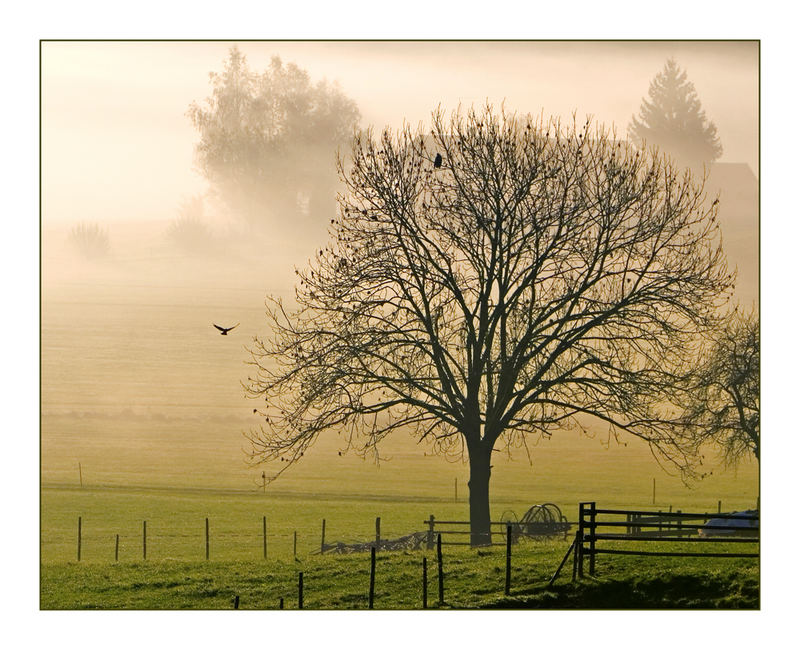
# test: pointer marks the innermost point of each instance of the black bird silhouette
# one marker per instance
(437, 162)
(224, 330)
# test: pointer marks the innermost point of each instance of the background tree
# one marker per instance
(674, 121)
(268, 142)
(723, 400)
(540, 277)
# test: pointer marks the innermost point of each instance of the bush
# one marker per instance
(90, 240)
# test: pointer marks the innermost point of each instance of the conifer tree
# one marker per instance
(674, 121)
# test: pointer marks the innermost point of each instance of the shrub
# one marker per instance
(90, 240)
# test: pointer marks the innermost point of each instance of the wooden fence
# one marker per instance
(461, 529)
(546, 522)
(648, 526)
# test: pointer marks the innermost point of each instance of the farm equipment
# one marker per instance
(541, 520)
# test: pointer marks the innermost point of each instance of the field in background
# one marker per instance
(143, 394)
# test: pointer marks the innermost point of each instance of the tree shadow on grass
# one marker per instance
(684, 591)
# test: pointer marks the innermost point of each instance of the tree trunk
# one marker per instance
(479, 520)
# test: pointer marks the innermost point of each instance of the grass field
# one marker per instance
(472, 579)
(142, 414)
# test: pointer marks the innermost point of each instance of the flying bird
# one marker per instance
(437, 162)
(224, 330)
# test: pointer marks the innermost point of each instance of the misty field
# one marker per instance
(142, 414)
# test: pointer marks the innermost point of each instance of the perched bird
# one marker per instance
(437, 162)
(224, 330)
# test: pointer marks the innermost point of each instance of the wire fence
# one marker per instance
(94, 540)
(102, 538)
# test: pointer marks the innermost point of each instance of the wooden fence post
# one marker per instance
(577, 559)
(441, 569)
(322, 544)
(280, 603)
(593, 524)
(654, 491)
(207, 544)
(236, 602)
(579, 549)
(300, 591)
(377, 532)
(116, 549)
(79, 539)
(424, 583)
(371, 576)
(563, 561)
(508, 559)
(719, 507)
(144, 540)
(430, 532)
(264, 521)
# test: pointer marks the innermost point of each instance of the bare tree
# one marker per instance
(539, 276)
(722, 403)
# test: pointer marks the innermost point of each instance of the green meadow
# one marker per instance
(471, 579)
(142, 419)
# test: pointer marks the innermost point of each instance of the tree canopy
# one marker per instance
(544, 275)
(674, 121)
(268, 142)
(723, 398)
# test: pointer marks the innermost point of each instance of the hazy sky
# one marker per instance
(117, 144)
(138, 108)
